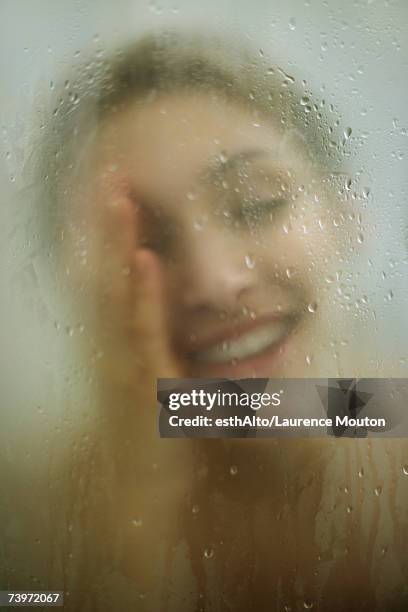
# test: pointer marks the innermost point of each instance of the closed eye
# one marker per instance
(256, 210)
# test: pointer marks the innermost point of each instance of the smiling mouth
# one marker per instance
(245, 345)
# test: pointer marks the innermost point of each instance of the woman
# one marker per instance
(204, 235)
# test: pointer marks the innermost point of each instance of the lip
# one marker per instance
(261, 363)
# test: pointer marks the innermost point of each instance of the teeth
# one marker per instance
(248, 344)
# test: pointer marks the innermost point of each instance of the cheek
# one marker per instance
(287, 250)
(300, 255)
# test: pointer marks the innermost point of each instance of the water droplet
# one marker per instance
(378, 491)
(225, 345)
(349, 509)
(156, 9)
(223, 157)
(312, 307)
(208, 553)
(405, 470)
(195, 509)
(200, 222)
(309, 359)
(360, 238)
(347, 133)
(307, 604)
(191, 196)
(233, 470)
(249, 262)
(292, 24)
(303, 101)
(137, 522)
(361, 473)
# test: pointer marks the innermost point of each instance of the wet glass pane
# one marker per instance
(199, 191)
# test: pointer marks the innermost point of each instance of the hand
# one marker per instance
(123, 287)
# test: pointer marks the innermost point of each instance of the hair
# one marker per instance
(165, 63)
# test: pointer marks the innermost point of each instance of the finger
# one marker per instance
(116, 236)
(150, 322)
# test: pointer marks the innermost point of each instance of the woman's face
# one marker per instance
(243, 227)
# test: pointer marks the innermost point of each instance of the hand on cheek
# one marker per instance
(131, 289)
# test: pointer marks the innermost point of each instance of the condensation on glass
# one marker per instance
(184, 201)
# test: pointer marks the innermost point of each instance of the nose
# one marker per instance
(215, 275)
